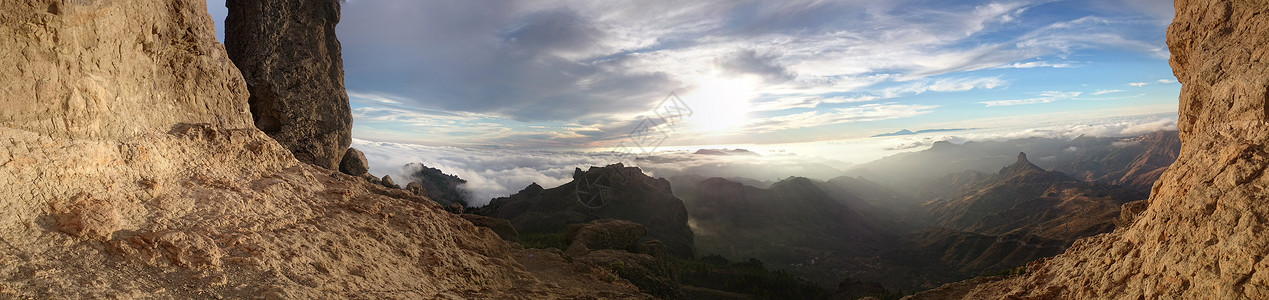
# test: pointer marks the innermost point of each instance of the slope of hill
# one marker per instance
(1201, 235)
(1023, 197)
(1133, 162)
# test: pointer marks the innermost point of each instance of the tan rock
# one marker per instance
(1201, 236)
(129, 168)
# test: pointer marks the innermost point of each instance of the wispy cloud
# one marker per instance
(1103, 92)
(1045, 97)
(1138, 84)
(862, 113)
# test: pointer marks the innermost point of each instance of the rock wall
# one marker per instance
(113, 69)
(289, 55)
(1203, 235)
(129, 168)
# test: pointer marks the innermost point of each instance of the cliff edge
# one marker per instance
(1203, 234)
(130, 168)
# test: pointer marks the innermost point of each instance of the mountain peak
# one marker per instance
(1022, 166)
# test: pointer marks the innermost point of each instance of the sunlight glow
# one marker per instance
(721, 104)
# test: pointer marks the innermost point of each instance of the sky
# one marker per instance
(582, 74)
(817, 79)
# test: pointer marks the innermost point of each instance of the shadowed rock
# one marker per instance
(290, 58)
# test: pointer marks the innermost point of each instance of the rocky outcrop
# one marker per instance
(129, 168)
(86, 69)
(1201, 236)
(603, 234)
(433, 183)
(614, 191)
(354, 163)
(290, 58)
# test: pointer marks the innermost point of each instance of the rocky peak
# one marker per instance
(1194, 238)
(290, 58)
(1020, 167)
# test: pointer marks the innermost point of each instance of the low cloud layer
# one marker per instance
(492, 173)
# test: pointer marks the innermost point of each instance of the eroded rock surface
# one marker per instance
(288, 53)
(129, 168)
(1202, 234)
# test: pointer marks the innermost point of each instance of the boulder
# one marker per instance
(354, 163)
(387, 182)
(290, 58)
(604, 234)
(416, 188)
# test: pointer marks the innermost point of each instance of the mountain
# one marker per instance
(1199, 237)
(1024, 197)
(795, 225)
(436, 185)
(1132, 161)
(614, 191)
(909, 132)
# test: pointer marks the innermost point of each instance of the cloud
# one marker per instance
(1103, 92)
(862, 113)
(1138, 84)
(750, 62)
(1045, 97)
(1103, 127)
(1037, 64)
(1166, 81)
(492, 173)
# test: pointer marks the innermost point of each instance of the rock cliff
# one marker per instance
(129, 168)
(289, 55)
(1202, 235)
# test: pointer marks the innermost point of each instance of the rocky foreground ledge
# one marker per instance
(130, 168)
(1203, 234)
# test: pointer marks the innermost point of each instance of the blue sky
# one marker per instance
(584, 74)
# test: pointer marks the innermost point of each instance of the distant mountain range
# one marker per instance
(907, 222)
(1135, 162)
(909, 132)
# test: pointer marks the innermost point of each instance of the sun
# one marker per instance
(720, 105)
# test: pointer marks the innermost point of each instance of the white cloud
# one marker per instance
(862, 113)
(1138, 84)
(1103, 92)
(1166, 81)
(1037, 64)
(1045, 97)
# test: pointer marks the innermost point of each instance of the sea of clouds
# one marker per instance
(492, 172)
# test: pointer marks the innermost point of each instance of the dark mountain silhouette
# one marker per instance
(435, 184)
(614, 191)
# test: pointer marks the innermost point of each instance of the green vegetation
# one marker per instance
(543, 240)
(748, 277)
(1021, 270)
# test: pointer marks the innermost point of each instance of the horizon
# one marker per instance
(797, 77)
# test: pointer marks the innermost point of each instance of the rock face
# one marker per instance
(129, 168)
(290, 58)
(1201, 236)
(85, 69)
(354, 163)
